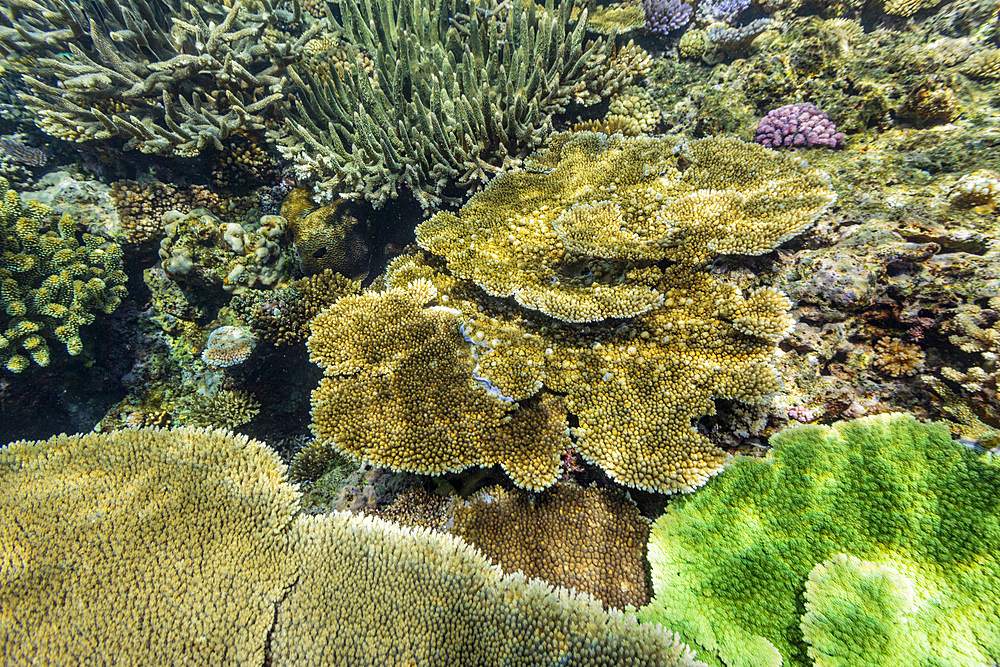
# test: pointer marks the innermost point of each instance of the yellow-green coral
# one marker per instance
(51, 285)
(187, 547)
(329, 237)
(915, 514)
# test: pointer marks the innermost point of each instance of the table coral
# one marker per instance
(398, 392)
(230, 567)
(905, 505)
(582, 242)
(51, 285)
(583, 239)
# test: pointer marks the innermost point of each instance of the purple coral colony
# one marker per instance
(485, 332)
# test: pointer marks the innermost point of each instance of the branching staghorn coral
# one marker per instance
(194, 539)
(459, 92)
(887, 525)
(51, 285)
(603, 246)
(171, 76)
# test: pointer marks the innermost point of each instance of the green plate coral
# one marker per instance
(50, 283)
(869, 542)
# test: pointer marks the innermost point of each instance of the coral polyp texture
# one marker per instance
(609, 228)
(51, 284)
(229, 567)
(170, 77)
(228, 346)
(200, 249)
(799, 125)
(886, 525)
(591, 540)
(458, 92)
(580, 242)
(399, 392)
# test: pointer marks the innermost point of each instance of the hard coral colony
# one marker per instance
(479, 332)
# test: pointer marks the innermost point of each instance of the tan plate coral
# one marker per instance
(603, 248)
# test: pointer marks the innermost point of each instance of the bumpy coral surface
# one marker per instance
(229, 568)
(914, 513)
(201, 249)
(590, 540)
(664, 16)
(399, 392)
(228, 346)
(798, 126)
(580, 243)
(328, 237)
(51, 285)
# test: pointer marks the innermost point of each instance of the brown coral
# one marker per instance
(592, 541)
(579, 243)
(896, 358)
(141, 206)
(282, 316)
(327, 237)
(192, 539)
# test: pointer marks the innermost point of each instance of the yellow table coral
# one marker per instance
(603, 246)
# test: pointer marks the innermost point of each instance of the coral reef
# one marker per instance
(894, 357)
(201, 249)
(578, 242)
(282, 316)
(730, 564)
(798, 126)
(141, 206)
(451, 100)
(191, 508)
(51, 284)
(171, 77)
(979, 188)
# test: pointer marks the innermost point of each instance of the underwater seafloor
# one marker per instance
(487, 332)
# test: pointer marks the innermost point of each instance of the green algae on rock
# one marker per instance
(51, 285)
(884, 497)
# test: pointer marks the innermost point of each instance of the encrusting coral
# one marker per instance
(886, 524)
(459, 92)
(172, 77)
(51, 285)
(582, 242)
(200, 248)
(229, 567)
(591, 540)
